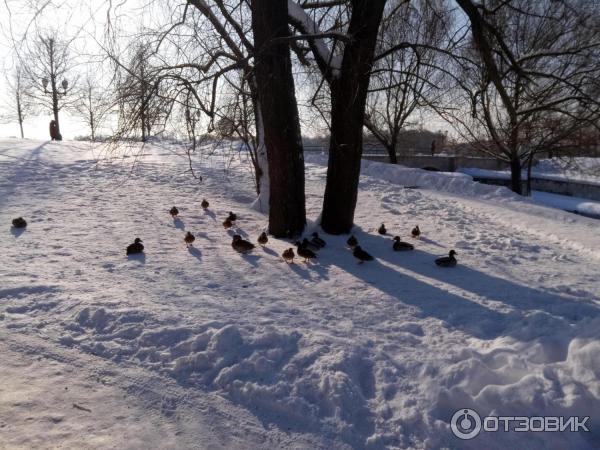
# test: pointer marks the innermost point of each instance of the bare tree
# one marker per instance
(94, 105)
(534, 68)
(47, 64)
(405, 82)
(279, 115)
(19, 104)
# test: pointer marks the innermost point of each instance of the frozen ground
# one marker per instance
(204, 348)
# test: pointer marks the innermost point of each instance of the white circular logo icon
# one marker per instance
(465, 424)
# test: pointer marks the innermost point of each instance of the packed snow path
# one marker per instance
(218, 350)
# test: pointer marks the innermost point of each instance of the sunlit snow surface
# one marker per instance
(205, 348)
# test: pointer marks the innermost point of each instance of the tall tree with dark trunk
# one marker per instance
(349, 84)
(280, 120)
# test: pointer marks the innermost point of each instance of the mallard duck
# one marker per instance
(361, 255)
(305, 252)
(19, 222)
(263, 238)
(316, 239)
(232, 217)
(174, 212)
(240, 245)
(204, 204)
(227, 223)
(447, 261)
(416, 232)
(310, 245)
(352, 242)
(136, 247)
(288, 255)
(189, 238)
(382, 229)
(401, 246)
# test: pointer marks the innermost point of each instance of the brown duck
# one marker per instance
(305, 252)
(361, 255)
(240, 245)
(416, 232)
(288, 255)
(204, 204)
(136, 247)
(263, 238)
(447, 261)
(352, 242)
(400, 246)
(189, 238)
(174, 212)
(19, 222)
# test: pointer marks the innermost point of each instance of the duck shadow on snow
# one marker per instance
(140, 257)
(178, 223)
(268, 251)
(195, 252)
(210, 214)
(452, 309)
(16, 232)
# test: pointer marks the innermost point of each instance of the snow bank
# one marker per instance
(270, 371)
(451, 182)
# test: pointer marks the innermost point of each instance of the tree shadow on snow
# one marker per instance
(455, 310)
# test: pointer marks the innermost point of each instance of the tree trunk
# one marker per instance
(261, 169)
(529, 164)
(348, 98)
(20, 114)
(515, 175)
(392, 150)
(280, 119)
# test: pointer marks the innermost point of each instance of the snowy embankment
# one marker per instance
(218, 350)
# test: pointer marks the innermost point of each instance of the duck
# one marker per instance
(447, 261)
(288, 255)
(352, 242)
(232, 216)
(310, 245)
(136, 247)
(19, 222)
(263, 238)
(174, 212)
(361, 255)
(401, 246)
(189, 238)
(227, 223)
(240, 245)
(416, 232)
(382, 229)
(204, 204)
(316, 239)
(305, 252)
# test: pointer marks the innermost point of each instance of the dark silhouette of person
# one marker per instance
(53, 130)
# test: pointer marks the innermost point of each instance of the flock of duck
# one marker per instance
(305, 248)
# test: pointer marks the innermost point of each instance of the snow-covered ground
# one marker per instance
(204, 348)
